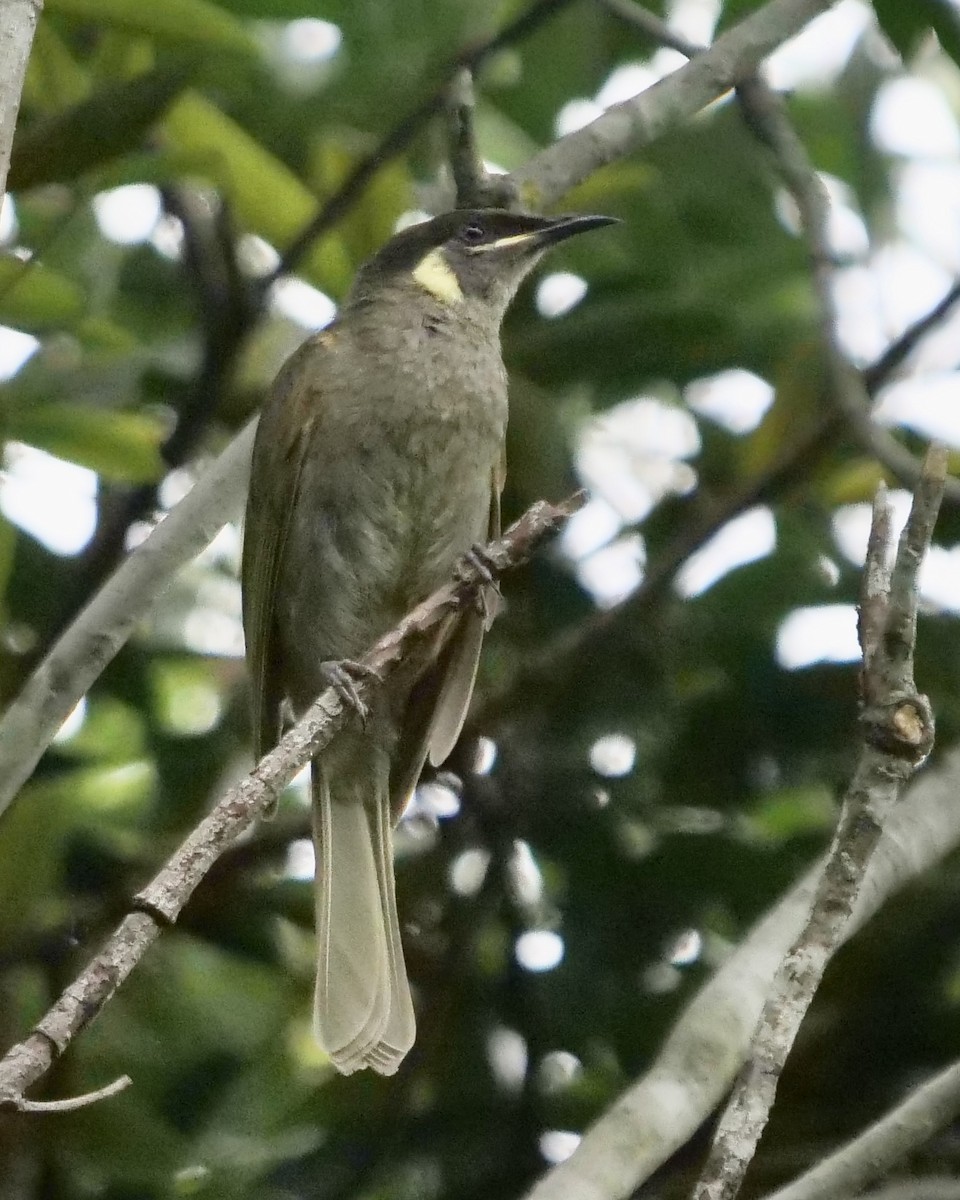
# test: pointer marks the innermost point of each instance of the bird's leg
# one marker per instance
(342, 674)
(476, 559)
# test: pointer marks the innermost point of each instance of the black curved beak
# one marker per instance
(565, 227)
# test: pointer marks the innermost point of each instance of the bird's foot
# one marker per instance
(343, 674)
(477, 559)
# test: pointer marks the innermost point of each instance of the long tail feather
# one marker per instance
(400, 1030)
(363, 1013)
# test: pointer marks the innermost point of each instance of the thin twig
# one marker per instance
(901, 632)
(476, 186)
(652, 26)
(900, 349)
(874, 588)
(406, 130)
(898, 735)
(161, 901)
(22, 1104)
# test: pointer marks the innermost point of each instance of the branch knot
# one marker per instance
(903, 726)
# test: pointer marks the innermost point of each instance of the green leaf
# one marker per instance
(120, 446)
(372, 220)
(35, 298)
(855, 482)
(946, 25)
(33, 833)
(906, 24)
(902, 23)
(793, 812)
(111, 122)
(112, 732)
(263, 192)
(171, 20)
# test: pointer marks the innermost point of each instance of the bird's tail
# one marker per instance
(363, 1013)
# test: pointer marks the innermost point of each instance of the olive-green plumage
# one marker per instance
(378, 463)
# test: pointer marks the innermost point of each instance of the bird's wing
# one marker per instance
(283, 436)
(438, 703)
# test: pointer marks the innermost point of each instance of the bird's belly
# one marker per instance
(376, 527)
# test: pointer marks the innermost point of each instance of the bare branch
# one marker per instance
(24, 1105)
(899, 350)
(162, 900)
(16, 37)
(924, 1187)
(898, 736)
(901, 632)
(875, 587)
(926, 1110)
(81, 653)
(628, 126)
(651, 26)
(476, 187)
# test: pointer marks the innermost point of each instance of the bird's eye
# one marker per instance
(473, 233)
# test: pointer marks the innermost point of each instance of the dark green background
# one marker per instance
(739, 763)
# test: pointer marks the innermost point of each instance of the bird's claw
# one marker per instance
(477, 560)
(342, 675)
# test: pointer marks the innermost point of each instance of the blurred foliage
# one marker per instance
(649, 798)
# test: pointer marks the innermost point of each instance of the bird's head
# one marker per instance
(468, 259)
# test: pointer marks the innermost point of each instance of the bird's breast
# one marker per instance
(395, 486)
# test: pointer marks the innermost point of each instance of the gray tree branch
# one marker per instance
(898, 736)
(926, 1187)
(637, 122)
(92, 641)
(475, 186)
(16, 37)
(926, 1110)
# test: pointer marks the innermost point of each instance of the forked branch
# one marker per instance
(898, 732)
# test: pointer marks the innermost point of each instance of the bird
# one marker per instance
(378, 464)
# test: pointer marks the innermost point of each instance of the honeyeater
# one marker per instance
(378, 463)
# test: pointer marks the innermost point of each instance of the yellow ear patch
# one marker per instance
(436, 276)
